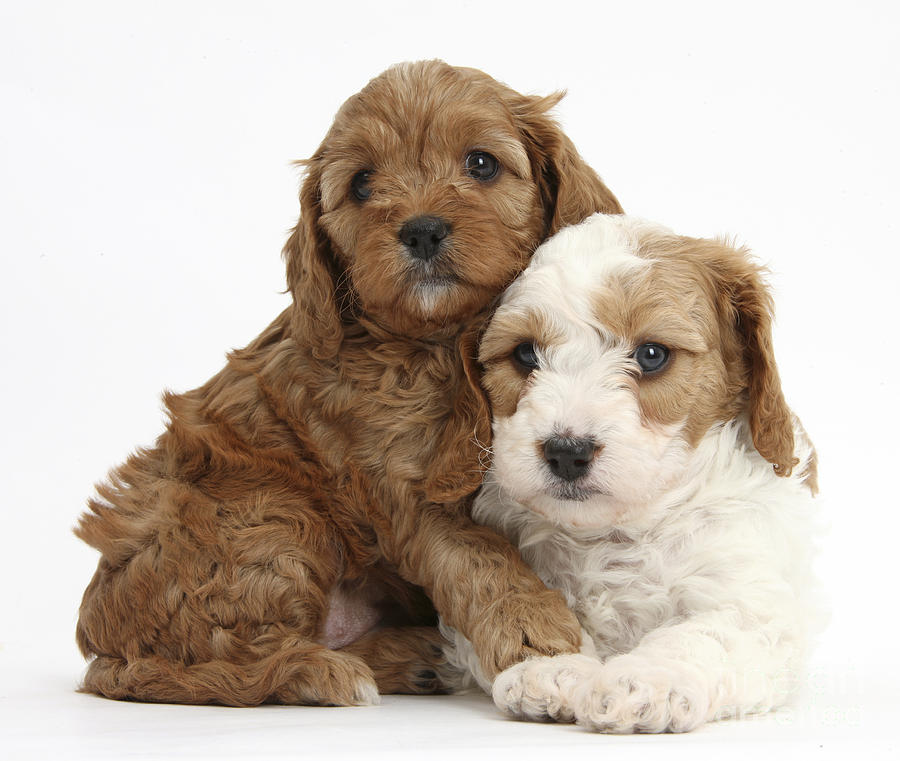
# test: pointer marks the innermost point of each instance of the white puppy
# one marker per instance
(646, 464)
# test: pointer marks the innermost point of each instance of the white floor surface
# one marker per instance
(850, 713)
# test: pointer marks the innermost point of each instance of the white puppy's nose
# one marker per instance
(569, 458)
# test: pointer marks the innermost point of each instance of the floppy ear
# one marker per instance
(312, 273)
(750, 307)
(467, 436)
(570, 190)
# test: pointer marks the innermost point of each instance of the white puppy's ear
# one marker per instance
(450, 477)
(570, 190)
(747, 309)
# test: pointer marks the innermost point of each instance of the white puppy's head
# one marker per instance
(610, 358)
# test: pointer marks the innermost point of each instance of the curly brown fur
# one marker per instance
(286, 536)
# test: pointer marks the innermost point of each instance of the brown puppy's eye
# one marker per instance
(482, 166)
(359, 185)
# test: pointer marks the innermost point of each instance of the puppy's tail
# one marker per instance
(297, 673)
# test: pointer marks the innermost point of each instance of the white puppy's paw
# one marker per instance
(543, 688)
(635, 696)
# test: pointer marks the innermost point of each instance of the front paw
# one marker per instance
(630, 695)
(523, 626)
(543, 688)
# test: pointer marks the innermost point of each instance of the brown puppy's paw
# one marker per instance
(407, 660)
(524, 625)
(330, 678)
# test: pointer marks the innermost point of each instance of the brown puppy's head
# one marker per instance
(427, 197)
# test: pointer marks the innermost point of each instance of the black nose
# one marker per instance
(569, 458)
(423, 236)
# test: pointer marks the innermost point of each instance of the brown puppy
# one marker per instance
(275, 543)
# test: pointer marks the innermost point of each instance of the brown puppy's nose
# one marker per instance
(569, 459)
(423, 236)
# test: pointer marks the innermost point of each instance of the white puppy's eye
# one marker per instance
(525, 356)
(651, 358)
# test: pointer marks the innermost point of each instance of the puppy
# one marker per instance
(646, 464)
(286, 536)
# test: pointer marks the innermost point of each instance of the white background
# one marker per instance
(145, 192)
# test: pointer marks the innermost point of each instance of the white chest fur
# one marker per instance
(707, 603)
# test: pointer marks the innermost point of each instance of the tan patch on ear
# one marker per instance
(505, 386)
(468, 430)
(720, 292)
(748, 310)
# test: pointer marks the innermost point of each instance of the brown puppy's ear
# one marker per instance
(570, 190)
(312, 272)
(466, 437)
(749, 309)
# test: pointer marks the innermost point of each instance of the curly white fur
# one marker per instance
(690, 568)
